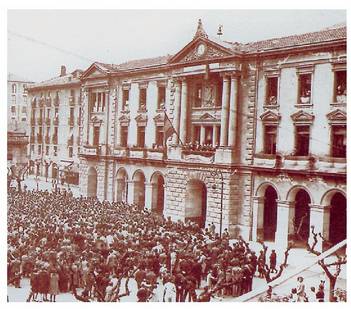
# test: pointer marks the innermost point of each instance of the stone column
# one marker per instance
(130, 194)
(184, 112)
(176, 118)
(257, 218)
(285, 214)
(202, 135)
(214, 136)
(233, 110)
(224, 113)
(148, 195)
(320, 219)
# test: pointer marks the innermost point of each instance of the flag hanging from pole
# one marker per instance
(168, 128)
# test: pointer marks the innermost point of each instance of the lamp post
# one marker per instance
(218, 173)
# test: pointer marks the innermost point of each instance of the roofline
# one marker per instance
(66, 85)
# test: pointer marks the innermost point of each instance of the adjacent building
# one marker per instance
(257, 143)
(55, 127)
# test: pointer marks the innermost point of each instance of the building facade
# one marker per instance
(55, 127)
(17, 102)
(257, 143)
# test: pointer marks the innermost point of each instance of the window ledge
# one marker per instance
(271, 106)
(265, 156)
(297, 158)
(303, 105)
(338, 104)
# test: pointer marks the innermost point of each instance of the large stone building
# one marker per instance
(260, 142)
(55, 127)
(17, 103)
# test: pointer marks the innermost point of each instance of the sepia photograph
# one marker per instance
(176, 155)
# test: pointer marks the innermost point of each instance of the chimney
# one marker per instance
(63, 71)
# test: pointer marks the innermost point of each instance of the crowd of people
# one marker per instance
(93, 250)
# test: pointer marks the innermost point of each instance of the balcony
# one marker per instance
(56, 101)
(47, 121)
(56, 121)
(48, 102)
(71, 101)
(40, 121)
(70, 122)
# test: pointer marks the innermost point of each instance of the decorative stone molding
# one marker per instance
(141, 120)
(337, 117)
(302, 117)
(305, 69)
(270, 117)
(159, 119)
(126, 86)
(143, 85)
(124, 120)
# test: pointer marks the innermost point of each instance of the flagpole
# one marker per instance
(175, 131)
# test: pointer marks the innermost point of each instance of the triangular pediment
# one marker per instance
(207, 116)
(141, 118)
(302, 116)
(337, 115)
(270, 116)
(201, 49)
(159, 118)
(94, 71)
(124, 119)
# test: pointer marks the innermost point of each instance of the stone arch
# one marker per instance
(290, 196)
(261, 189)
(197, 175)
(92, 182)
(196, 201)
(121, 187)
(335, 201)
(157, 182)
(139, 188)
(327, 196)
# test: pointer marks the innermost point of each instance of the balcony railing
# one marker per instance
(90, 150)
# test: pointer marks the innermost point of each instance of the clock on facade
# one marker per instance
(200, 49)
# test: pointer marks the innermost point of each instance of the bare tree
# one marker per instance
(326, 267)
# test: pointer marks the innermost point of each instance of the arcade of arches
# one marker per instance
(280, 221)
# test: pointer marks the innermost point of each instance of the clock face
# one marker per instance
(201, 49)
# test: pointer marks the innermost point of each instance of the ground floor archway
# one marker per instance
(338, 218)
(139, 189)
(302, 216)
(270, 214)
(196, 202)
(92, 182)
(121, 186)
(157, 204)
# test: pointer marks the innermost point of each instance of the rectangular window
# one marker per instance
(272, 90)
(305, 81)
(340, 87)
(124, 136)
(96, 136)
(142, 98)
(141, 137)
(161, 97)
(302, 140)
(24, 110)
(70, 151)
(125, 98)
(47, 148)
(338, 141)
(55, 151)
(159, 136)
(39, 149)
(270, 139)
(32, 149)
(198, 95)
(13, 109)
